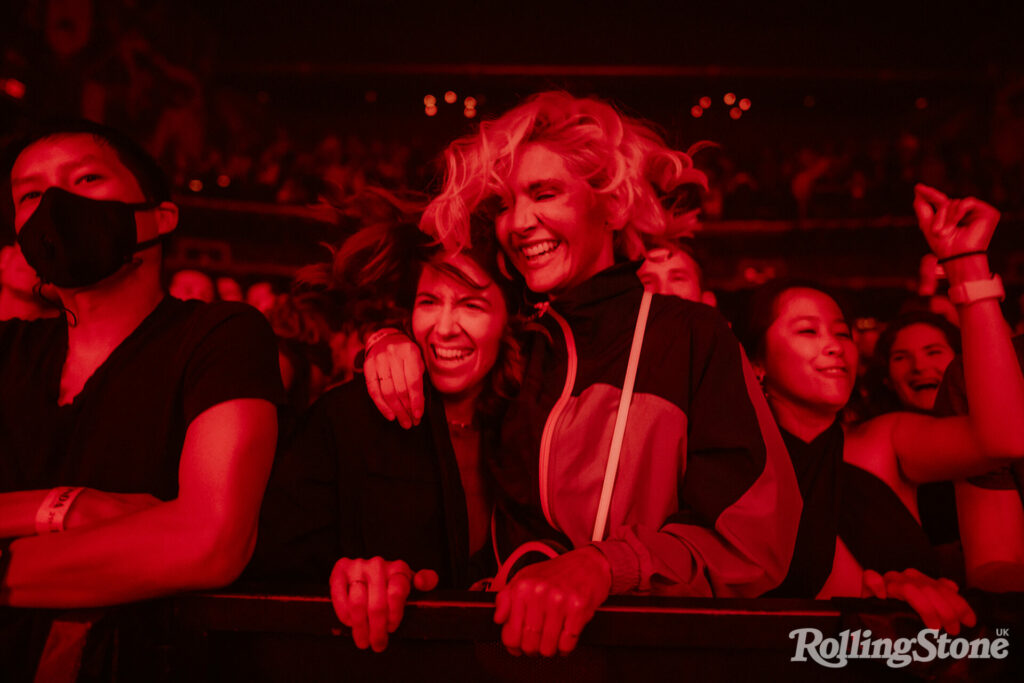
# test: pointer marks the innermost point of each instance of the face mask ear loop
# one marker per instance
(37, 290)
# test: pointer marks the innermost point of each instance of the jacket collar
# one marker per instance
(608, 284)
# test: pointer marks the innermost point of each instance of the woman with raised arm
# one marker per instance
(400, 508)
(639, 439)
(860, 530)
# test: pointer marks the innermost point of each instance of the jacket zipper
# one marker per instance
(556, 411)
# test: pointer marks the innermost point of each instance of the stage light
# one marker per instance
(921, 103)
(729, 99)
(196, 185)
(430, 110)
(370, 96)
(469, 113)
(223, 180)
(470, 103)
(705, 102)
(745, 104)
(735, 113)
(450, 97)
(429, 101)
(696, 111)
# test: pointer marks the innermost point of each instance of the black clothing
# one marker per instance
(844, 500)
(878, 528)
(817, 465)
(125, 430)
(353, 484)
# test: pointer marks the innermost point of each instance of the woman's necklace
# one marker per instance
(462, 427)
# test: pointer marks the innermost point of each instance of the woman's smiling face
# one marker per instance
(917, 361)
(551, 224)
(810, 358)
(458, 326)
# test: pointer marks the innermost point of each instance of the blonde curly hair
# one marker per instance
(624, 160)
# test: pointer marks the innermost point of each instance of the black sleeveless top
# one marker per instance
(843, 500)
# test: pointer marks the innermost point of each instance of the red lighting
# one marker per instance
(921, 103)
(745, 104)
(705, 102)
(370, 96)
(735, 113)
(809, 101)
(223, 180)
(470, 103)
(14, 88)
(430, 110)
(729, 99)
(195, 185)
(696, 111)
(469, 113)
(429, 101)
(450, 97)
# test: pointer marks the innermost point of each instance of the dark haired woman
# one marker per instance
(389, 501)
(859, 531)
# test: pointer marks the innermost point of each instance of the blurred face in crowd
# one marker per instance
(917, 361)
(551, 224)
(261, 296)
(228, 289)
(810, 360)
(672, 272)
(458, 326)
(192, 284)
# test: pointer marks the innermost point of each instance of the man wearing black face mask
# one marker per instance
(154, 418)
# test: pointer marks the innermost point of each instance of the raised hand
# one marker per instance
(369, 596)
(394, 378)
(953, 226)
(937, 601)
(546, 605)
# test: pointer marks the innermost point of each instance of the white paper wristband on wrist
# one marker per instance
(51, 514)
(977, 290)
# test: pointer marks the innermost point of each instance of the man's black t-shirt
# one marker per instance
(125, 430)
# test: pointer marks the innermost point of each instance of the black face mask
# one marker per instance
(75, 241)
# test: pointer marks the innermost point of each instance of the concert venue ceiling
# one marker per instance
(730, 33)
